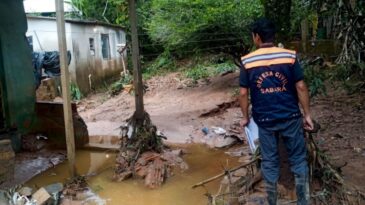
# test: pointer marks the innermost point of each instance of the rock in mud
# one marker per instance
(26, 191)
(218, 141)
(54, 188)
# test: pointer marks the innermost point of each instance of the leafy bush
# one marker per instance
(118, 86)
(187, 25)
(162, 64)
(75, 92)
(115, 11)
(198, 72)
(208, 69)
(315, 77)
(225, 67)
(352, 76)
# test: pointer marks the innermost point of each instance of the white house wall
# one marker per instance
(92, 70)
(44, 34)
(87, 70)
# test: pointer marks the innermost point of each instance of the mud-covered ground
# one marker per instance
(175, 108)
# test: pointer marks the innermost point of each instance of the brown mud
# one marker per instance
(98, 166)
(176, 112)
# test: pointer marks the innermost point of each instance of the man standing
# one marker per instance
(275, 80)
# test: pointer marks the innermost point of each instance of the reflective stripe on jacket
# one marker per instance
(272, 84)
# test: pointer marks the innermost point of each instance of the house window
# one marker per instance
(105, 47)
(92, 46)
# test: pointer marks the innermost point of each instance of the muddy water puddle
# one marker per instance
(203, 163)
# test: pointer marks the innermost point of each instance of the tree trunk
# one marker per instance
(137, 74)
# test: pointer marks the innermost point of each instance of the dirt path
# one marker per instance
(342, 118)
(176, 113)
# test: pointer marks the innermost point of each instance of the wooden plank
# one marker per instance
(41, 196)
(137, 74)
(65, 80)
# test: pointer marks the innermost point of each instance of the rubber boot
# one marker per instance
(302, 188)
(272, 193)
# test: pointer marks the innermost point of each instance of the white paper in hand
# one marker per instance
(252, 134)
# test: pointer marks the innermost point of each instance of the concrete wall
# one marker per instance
(91, 68)
(84, 62)
(44, 35)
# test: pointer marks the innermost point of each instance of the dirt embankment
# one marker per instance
(175, 109)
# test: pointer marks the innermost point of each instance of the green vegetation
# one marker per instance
(198, 67)
(111, 11)
(116, 87)
(202, 71)
(172, 33)
(280, 12)
(192, 25)
(315, 78)
(162, 64)
(75, 92)
(351, 76)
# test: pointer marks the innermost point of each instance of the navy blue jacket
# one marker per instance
(271, 74)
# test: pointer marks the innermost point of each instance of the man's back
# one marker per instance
(271, 74)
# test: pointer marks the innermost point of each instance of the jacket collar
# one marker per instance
(267, 45)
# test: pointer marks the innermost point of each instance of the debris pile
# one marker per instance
(47, 91)
(76, 191)
(143, 154)
(217, 137)
(74, 186)
(244, 185)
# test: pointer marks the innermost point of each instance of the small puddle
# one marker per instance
(203, 163)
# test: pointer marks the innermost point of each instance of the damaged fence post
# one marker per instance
(65, 81)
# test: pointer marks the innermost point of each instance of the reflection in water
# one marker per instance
(203, 163)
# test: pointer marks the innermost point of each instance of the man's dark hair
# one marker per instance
(265, 29)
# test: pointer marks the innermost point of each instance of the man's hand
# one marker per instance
(308, 123)
(244, 122)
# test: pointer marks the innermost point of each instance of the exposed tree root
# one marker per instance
(143, 154)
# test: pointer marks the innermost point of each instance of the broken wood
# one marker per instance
(41, 196)
(327, 180)
(143, 154)
(223, 174)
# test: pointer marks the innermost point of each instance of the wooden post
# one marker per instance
(304, 30)
(137, 74)
(65, 81)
